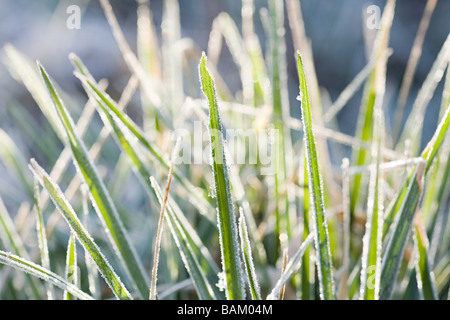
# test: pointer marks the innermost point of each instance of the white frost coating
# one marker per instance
(37, 271)
(221, 283)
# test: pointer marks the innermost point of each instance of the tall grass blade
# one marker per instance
(100, 196)
(231, 257)
(153, 295)
(317, 205)
(248, 259)
(82, 235)
(42, 273)
(365, 120)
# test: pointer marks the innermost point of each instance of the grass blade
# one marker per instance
(248, 259)
(100, 196)
(160, 223)
(189, 251)
(410, 196)
(290, 267)
(231, 257)
(317, 206)
(71, 266)
(425, 276)
(42, 237)
(42, 273)
(82, 235)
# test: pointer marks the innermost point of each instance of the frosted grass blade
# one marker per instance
(71, 266)
(291, 267)
(190, 256)
(365, 120)
(160, 223)
(317, 205)
(409, 198)
(100, 196)
(42, 236)
(231, 257)
(424, 274)
(42, 273)
(248, 259)
(82, 235)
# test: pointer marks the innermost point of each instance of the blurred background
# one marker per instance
(38, 29)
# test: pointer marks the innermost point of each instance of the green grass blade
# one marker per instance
(306, 260)
(291, 267)
(42, 236)
(100, 196)
(248, 259)
(425, 276)
(231, 257)
(317, 206)
(42, 273)
(71, 266)
(190, 256)
(410, 194)
(365, 121)
(82, 235)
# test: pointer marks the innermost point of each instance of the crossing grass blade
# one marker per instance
(38, 271)
(317, 205)
(190, 252)
(291, 267)
(231, 257)
(196, 257)
(198, 198)
(82, 235)
(409, 198)
(100, 196)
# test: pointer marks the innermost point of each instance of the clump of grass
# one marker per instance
(227, 230)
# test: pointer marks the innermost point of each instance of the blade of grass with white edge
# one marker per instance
(100, 197)
(317, 206)
(404, 217)
(372, 241)
(248, 259)
(424, 274)
(199, 198)
(71, 266)
(92, 273)
(189, 256)
(82, 235)
(42, 237)
(38, 271)
(291, 267)
(153, 295)
(231, 257)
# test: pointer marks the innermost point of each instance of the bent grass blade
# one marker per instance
(82, 235)
(38, 271)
